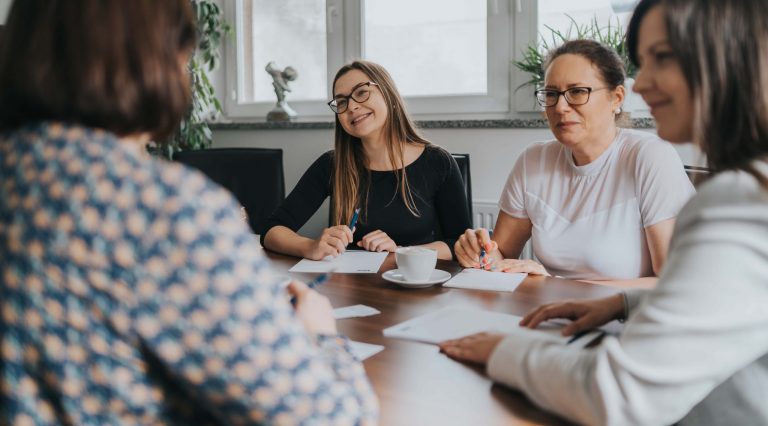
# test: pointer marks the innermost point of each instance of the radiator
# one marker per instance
(485, 214)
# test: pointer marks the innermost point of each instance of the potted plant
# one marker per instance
(611, 35)
(194, 132)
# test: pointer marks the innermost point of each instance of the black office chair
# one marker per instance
(463, 161)
(253, 175)
(697, 174)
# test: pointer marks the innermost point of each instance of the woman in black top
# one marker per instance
(409, 191)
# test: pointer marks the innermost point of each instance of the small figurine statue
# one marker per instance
(280, 79)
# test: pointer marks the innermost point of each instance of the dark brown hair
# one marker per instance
(722, 49)
(350, 170)
(119, 65)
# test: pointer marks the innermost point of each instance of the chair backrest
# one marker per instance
(253, 175)
(697, 174)
(463, 161)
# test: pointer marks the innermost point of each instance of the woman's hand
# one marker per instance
(517, 265)
(332, 242)
(313, 309)
(469, 245)
(377, 241)
(585, 314)
(476, 348)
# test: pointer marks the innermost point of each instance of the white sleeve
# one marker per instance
(706, 320)
(512, 201)
(661, 185)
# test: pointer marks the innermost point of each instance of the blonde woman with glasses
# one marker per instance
(407, 190)
(599, 202)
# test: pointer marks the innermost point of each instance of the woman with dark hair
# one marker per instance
(131, 290)
(695, 349)
(599, 202)
(409, 191)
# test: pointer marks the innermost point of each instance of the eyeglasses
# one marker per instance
(359, 94)
(573, 95)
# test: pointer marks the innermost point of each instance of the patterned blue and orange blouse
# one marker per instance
(131, 292)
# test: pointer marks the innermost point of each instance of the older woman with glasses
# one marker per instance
(402, 189)
(600, 202)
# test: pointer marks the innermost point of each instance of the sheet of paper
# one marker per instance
(477, 279)
(349, 262)
(355, 311)
(453, 322)
(363, 351)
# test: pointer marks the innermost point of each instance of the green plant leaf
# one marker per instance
(534, 55)
(193, 132)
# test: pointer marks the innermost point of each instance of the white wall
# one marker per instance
(492, 154)
(4, 6)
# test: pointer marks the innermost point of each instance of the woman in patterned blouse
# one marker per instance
(131, 292)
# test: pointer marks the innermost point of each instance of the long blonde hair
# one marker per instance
(351, 177)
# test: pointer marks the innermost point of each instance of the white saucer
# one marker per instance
(395, 276)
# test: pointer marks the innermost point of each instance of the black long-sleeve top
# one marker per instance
(438, 192)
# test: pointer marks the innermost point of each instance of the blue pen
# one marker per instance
(354, 218)
(482, 250)
(314, 283)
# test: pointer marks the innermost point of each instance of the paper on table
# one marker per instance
(349, 262)
(478, 279)
(363, 351)
(453, 322)
(355, 311)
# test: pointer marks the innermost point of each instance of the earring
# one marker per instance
(617, 111)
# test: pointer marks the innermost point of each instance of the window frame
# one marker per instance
(509, 32)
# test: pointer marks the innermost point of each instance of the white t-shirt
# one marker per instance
(589, 221)
(696, 344)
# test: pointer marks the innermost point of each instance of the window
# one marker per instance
(561, 14)
(436, 50)
(432, 49)
(449, 58)
(268, 27)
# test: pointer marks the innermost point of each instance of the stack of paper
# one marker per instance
(349, 262)
(478, 279)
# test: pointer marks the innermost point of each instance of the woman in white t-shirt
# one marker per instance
(599, 203)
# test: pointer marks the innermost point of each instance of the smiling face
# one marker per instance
(660, 80)
(578, 125)
(366, 119)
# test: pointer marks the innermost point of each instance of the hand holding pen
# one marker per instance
(485, 263)
(475, 249)
(314, 283)
(332, 242)
(312, 308)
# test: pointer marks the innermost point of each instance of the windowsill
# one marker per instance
(533, 123)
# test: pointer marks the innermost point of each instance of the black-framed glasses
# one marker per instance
(360, 94)
(572, 95)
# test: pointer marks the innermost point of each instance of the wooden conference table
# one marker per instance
(416, 384)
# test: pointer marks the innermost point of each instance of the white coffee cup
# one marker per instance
(415, 263)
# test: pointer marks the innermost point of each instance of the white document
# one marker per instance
(478, 279)
(354, 311)
(454, 322)
(349, 262)
(363, 351)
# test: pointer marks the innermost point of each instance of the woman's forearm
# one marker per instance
(284, 240)
(443, 251)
